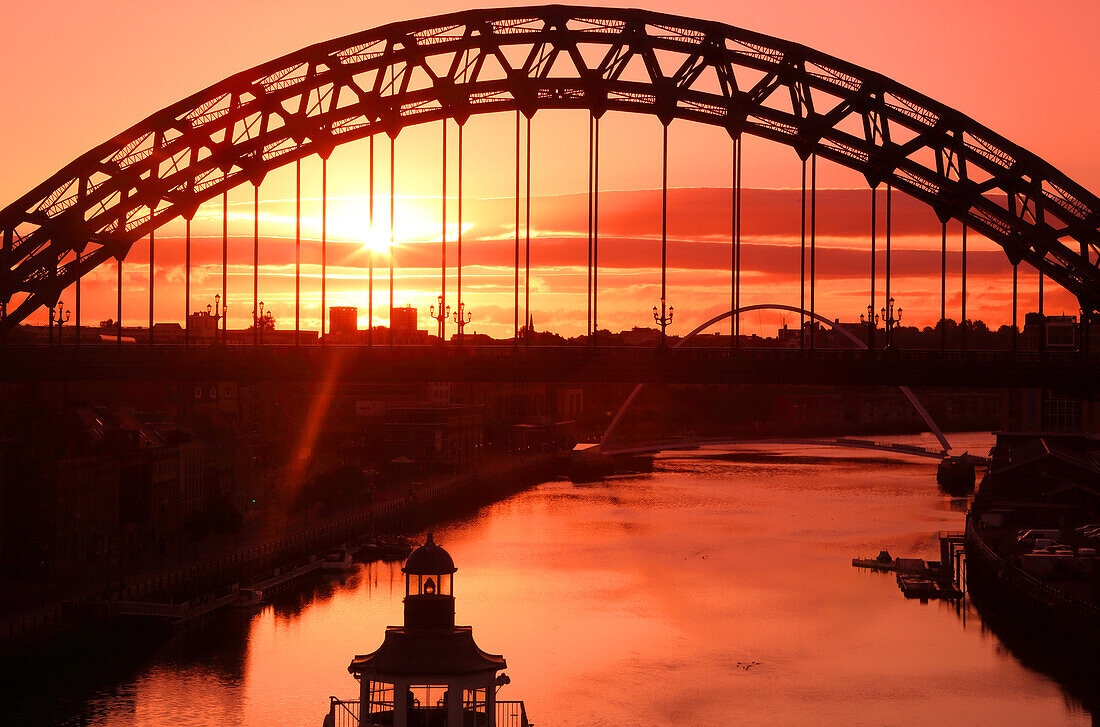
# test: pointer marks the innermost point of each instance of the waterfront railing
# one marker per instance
(344, 712)
(1028, 583)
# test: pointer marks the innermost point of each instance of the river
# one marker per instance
(717, 590)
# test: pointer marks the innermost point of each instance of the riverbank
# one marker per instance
(1075, 622)
(1031, 569)
(1044, 628)
(266, 549)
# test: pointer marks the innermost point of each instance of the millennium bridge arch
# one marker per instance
(816, 318)
(526, 59)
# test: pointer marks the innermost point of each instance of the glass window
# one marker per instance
(379, 707)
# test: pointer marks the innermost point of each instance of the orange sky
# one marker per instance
(1023, 69)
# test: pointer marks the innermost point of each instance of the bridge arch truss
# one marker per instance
(525, 59)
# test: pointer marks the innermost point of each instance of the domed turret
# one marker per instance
(429, 588)
(429, 559)
(428, 671)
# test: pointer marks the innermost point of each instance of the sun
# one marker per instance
(350, 221)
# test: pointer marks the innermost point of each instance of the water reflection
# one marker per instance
(717, 589)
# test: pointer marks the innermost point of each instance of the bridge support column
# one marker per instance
(515, 267)
(888, 309)
(370, 256)
(4, 260)
(596, 234)
(802, 267)
(255, 264)
(527, 246)
(664, 316)
(943, 287)
(443, 243)
(460, 309)
(393, 152)
(813, 248)
(737, 155)
(118, 290)
(225, 265)
(874, 234)
(962, 315)
(1015, 305)
(297, 251)
(324, 238)
(591, 134)
(187, 283)
(152, 278)
(1042, 316)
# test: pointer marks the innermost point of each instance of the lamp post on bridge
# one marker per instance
(663, 317)
(441, 317)
(461, 318)
(259, 322)
(871, 320)
(218, 313)
(890, 320)
(61, 319)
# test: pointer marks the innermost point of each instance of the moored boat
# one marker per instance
(337, 559)
(956, 475)
(881, 562)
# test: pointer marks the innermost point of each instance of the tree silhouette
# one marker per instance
(266, 321)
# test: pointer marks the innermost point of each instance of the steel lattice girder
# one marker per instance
(600, 59)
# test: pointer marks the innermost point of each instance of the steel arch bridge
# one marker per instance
(525, 59)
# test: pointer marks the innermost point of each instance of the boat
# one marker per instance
(338, 559)
(881, 562)
(248, 597)
(396, 547)
(955, 475)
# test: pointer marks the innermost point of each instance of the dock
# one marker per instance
(923, 579)
(918, 578)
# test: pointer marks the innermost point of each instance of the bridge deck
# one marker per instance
(693, 365)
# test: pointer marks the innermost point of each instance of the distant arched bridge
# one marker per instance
(689, 443)
(522, 60)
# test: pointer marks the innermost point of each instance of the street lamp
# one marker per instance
(61, 319)
(441, 317)
(663, 317)
(890, 320)
(258, 322)
(461, 318)
(218, 313)
(871, 319)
